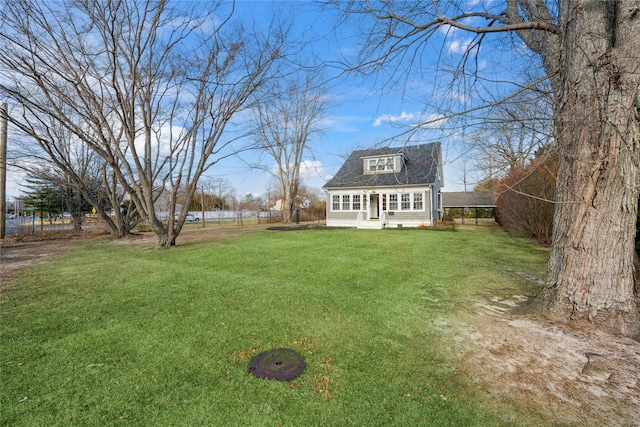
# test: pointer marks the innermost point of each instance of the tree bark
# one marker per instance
(591, 264)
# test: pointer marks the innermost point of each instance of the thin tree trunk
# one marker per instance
(591, 265)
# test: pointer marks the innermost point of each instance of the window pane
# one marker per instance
(346, 203)
(405, 199)
(372, 165)
(417, 201)
(356, 202)
(335, 203)
(393, 202)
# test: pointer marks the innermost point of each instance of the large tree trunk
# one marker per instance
(591, 265)
(166, 235)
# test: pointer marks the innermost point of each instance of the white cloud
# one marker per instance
(308, 169)
(311, 168)
(390, 118)
(434, 120)
(424, 120)
(459, 46)
(460, 97)
(447, 30)
(313, 173)
(161, 141)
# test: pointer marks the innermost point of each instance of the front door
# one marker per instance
(374, 207)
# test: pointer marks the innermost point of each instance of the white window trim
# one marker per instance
(413, 201)
(401, 201)
(359, 202)
(411, 193)
(364, 200)
(345, 197)
(395, 202)
(333, 202)
(383, 164)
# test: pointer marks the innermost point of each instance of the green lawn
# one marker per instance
(115, 334)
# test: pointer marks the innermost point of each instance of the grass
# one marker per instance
(115, 334)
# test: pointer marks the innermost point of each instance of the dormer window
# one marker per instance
(383, 164)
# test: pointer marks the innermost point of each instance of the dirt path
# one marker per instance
(16, 256)
(573, 377)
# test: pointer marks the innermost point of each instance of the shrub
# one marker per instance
(524, 206)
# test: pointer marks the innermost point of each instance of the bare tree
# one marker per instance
(47, 150)
(152, 85)
(589, 52)
(285, 118)
(218, 191)
(512, 133)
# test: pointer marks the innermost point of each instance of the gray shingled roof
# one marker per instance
(468, 199)
(421, 167)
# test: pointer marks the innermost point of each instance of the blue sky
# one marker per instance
(362, 111)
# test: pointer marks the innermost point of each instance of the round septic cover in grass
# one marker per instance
(282, 364)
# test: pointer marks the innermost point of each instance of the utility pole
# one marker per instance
(202, 204)
(3, 168)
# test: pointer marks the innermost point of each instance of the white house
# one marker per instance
(387, 187)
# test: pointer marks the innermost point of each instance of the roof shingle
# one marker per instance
(421, 167)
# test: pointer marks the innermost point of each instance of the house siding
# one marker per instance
(342, 219)
(412, 218)
(393, 218)
(408, 219)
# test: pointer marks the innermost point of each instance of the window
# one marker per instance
(335, 205)
(385, 164)
(364, 202)
(346, 202)
(384, 201)
(405, 201)
(393, 202)
(389, 163)
(417, 201)
(356, 202)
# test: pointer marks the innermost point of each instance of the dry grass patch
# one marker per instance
(572, 376)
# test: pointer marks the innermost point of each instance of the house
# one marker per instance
(387, 187)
